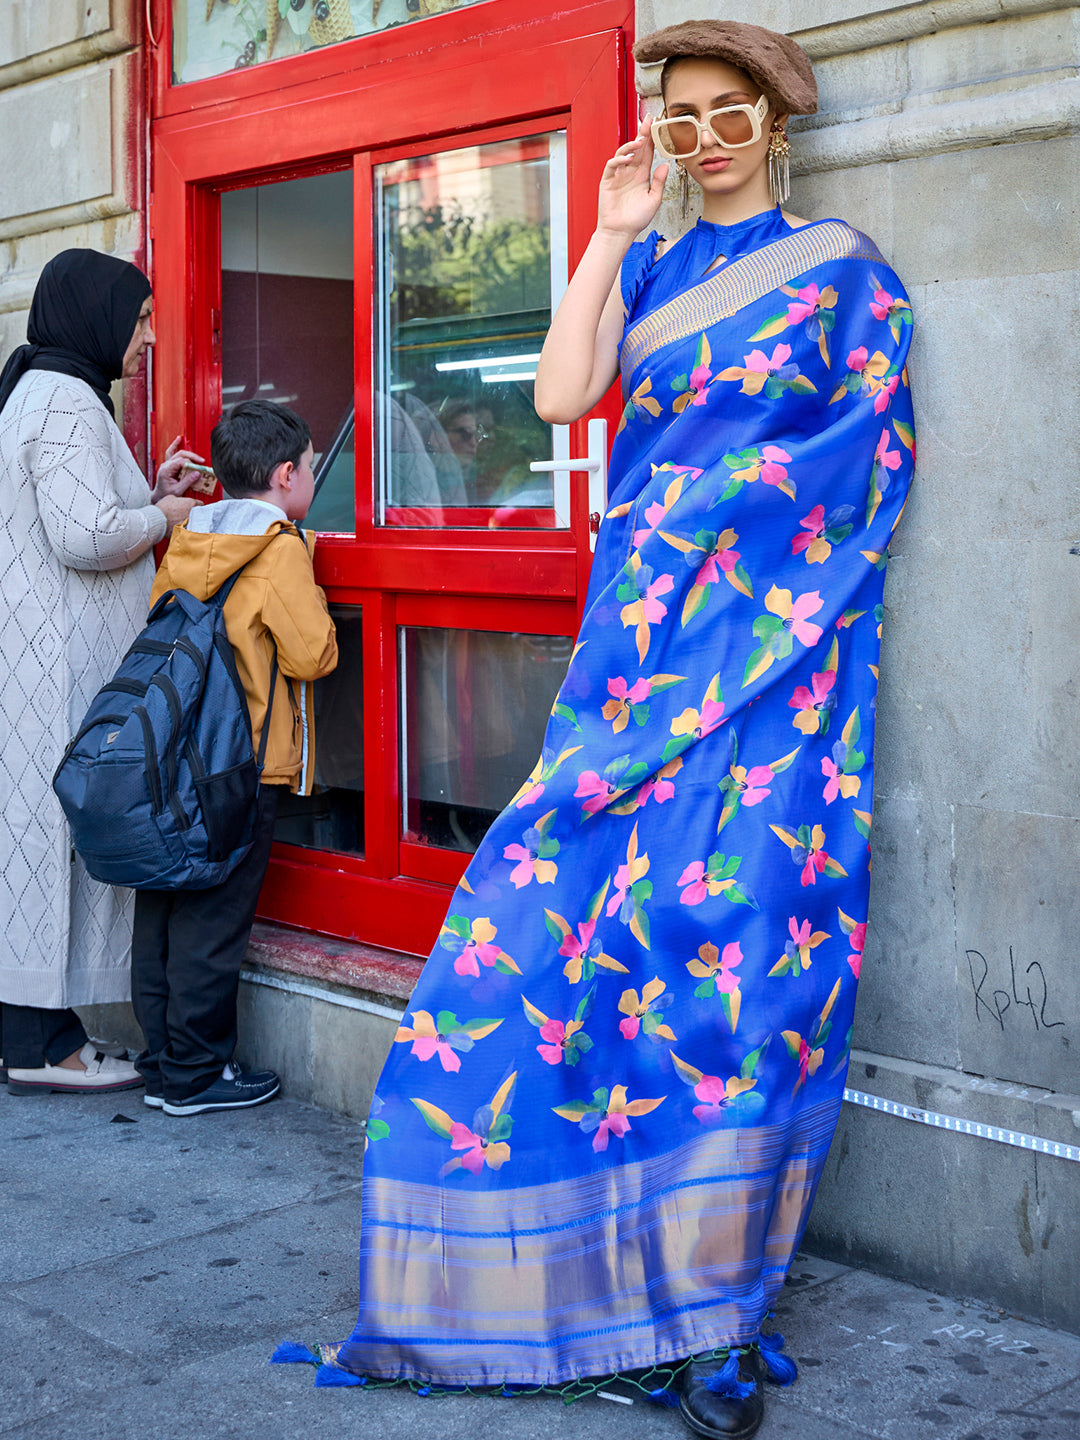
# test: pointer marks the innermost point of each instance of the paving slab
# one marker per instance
(118, 1176)
(149, 1266)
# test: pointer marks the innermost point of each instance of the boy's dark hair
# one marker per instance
(248, 444)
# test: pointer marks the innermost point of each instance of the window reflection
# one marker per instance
(475, 705)
(471, 247)
(332, 818)
(287, 318)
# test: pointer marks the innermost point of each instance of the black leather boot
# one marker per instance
(735, 1407)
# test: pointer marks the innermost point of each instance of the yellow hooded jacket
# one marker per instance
(276, 596)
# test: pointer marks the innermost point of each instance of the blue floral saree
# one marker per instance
(598, 1136)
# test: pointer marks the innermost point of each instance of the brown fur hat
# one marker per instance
(780, 67)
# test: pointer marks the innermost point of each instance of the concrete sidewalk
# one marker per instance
(148, 1267)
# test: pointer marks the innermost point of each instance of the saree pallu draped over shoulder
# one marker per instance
(598, 1136)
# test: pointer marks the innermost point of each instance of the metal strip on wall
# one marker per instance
(964, 1127)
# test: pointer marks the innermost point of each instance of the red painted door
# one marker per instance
(381, 244)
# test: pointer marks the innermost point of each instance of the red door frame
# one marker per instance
(359, 103)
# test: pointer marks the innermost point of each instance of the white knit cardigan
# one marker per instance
(76, 533)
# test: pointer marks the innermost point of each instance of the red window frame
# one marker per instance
(481, 74)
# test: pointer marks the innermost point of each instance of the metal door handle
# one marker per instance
(595, 464)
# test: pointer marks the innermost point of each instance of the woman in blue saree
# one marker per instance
(597, 1139)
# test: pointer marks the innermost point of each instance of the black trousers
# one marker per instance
(186, 953)
(31, 1037)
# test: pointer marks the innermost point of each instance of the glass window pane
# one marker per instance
(474, 707)
(332, 818)
(212, 36)
(471, 257)
(287, 319)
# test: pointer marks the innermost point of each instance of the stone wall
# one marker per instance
(71, 83)
(948, 132)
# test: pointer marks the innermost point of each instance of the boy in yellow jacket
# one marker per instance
(188, 945)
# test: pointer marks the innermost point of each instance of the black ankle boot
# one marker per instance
(723, 1400)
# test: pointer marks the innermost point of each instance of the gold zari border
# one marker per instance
(739, 284)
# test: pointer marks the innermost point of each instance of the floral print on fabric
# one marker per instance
(659, 940)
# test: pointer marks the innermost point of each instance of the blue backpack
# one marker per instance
(160, 784)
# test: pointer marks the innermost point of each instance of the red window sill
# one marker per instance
(344, 964)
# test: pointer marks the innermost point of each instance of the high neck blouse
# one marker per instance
(645, 278)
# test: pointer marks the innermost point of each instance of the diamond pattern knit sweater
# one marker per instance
(76, 532)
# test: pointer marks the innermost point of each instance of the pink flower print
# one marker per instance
(478, 950)
(756, 781)
(643, 594)
(699, 384)
(727, 982)
(578, 946)
(838, 782)
(554, 1032)
(885, 461)
(889, 459)
(813, 529)
(856, 934)
(531, 795)
(618, 708)
(892, 308)
(532, 856)
(719, 561)
(478, 1150)
(653, 516)
(712, 1092)
(858, 939)
(761, 367)
(795, 613)
(772, 471)
(659, 787)
(699, 723)
(881, 304)
(616, 1125)
(693, 878)
(808, 304)
(717, 975)
(814, 705)
(796, 957)
(596, 791)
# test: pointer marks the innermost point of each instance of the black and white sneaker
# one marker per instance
(232, 1090)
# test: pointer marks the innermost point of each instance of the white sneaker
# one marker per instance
(102, 1073)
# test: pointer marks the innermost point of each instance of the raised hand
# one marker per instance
(629, 194)
(175, 475)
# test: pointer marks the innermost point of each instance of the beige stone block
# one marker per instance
(31, 27)
(785, 15)
(955, 710)
(870, 82)
(1018, 989)
(996, 210)
(862, 196)
(907, 989)
(65, 151)
(996, 416)
(275, 1031)
(349, 1049)
(943, 65)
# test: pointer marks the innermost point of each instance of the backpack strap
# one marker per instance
(260, 759)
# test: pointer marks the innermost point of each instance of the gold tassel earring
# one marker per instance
(779, 166)
(684, 190)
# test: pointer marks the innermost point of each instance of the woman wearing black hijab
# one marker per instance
(78, 523)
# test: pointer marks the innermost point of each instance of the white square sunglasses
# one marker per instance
(679, 137)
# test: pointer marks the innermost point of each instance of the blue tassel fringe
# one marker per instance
(334, 1375)
(726, 1382)
(291, 1353)
(781, 1369)
(664, 1396)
